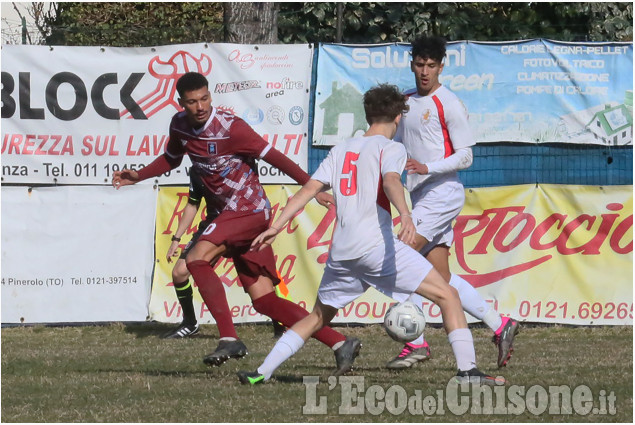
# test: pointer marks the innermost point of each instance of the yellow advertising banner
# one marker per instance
(539, 253)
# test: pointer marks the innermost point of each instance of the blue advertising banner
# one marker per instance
(534, 91)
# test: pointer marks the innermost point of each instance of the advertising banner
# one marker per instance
(534, 91)
(75, 115)
(546, 253)
(76, 254)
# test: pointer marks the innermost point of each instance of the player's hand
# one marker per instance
(413, 166)
(325, 199)
(265, 238)
(172, 251)
(407, 231)
(124, 177)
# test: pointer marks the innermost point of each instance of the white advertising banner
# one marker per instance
(77, 254)
(74, 115)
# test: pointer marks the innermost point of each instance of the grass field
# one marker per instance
(125, 373)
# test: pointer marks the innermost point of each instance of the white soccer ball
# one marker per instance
(404, 322)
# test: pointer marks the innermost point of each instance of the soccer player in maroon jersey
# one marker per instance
(180, 274)
(223, 149)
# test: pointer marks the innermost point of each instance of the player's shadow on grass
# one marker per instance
(289, 379)
(157, 330)
(169, 373)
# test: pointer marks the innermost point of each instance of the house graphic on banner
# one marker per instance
(343, 112)
(614, 125)
(610, 124)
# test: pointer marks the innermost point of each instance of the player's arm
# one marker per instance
(160, 165)
(253, 144)
(186, 220)
(457, 123)
(295, 204)
(290, 168)
(194, 199)
(395, 192)
(170, 159)
(459, 160)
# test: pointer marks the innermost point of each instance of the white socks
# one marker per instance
(493, 319)
(463, 348)
(287, 346)
(474, 304)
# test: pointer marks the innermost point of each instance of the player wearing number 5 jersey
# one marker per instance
(365, 175)
(223, 150)
(438, 138)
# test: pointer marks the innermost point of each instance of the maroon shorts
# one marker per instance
(236, 230)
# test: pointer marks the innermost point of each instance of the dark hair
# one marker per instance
(429, 48)
(190, 81)
(383, 103)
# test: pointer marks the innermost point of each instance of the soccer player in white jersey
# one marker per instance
(365, 175)
(438, 139)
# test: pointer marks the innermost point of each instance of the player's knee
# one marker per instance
(316, 320)
(194, 265)
(448, 296)
(180, 272)
(261, 305)
(321, 315)
(192, 257)
(439, 293)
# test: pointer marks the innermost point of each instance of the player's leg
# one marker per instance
(256, 270)
(410, 272)
(437, 290)
(471, 300)
(184, 294)
(434, 211)
(278, 328)
(338, 288)
(418, 350)
(286, 312)
(290, 343)
(229, 231)
(200, 262)
(504, 328)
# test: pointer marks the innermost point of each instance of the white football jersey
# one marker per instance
(354, 170)
(434, 127)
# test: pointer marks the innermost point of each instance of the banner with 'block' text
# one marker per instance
(75, 115)
(546, 253)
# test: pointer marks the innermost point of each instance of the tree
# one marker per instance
(135, 24)
(390, 22)
(157, 23)
(251, 23)
(35, 16)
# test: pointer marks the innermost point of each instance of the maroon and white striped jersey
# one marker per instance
(223, 152)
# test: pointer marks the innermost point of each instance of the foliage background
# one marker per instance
(151, 23)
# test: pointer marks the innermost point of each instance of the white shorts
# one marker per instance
(395, 270)
(434, 209)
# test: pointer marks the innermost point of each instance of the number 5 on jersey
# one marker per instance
(348, 182)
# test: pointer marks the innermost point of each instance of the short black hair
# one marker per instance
(383, 103)
(429, 47)
(190, 81)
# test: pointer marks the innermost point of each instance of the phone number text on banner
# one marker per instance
(534, 91)
(76, 254)
(573, 266)
(92, 111)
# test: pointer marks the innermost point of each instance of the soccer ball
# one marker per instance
(404, 322)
